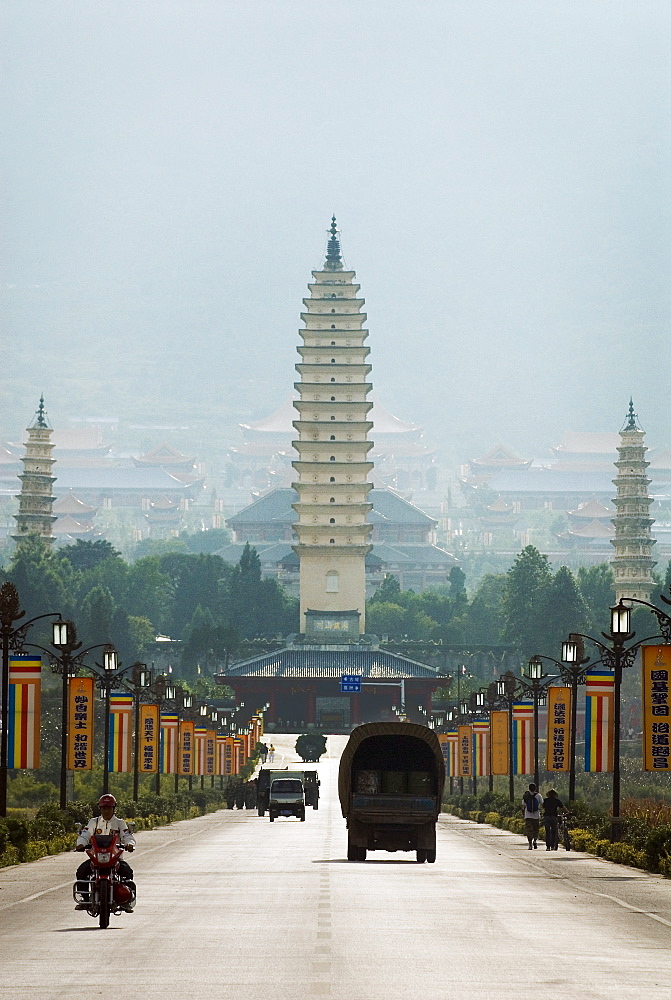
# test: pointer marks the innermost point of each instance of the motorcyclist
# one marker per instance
(107, 823)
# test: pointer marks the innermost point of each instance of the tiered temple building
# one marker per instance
(633, 563)
(36, 501)
(333, 529)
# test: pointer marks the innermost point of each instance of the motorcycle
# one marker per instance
(105, 892)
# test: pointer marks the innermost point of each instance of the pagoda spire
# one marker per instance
(333, 256)
(35, 516)
(631, 420)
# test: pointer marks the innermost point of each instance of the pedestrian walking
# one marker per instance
(263, 752)
(532, 800)
(230, 794)
(240, 795)
(271, 754)
(552, 807)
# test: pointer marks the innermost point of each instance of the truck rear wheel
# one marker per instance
(361, 854)
(431, 857)
(271, 817)
(352, 851)
(421, 855)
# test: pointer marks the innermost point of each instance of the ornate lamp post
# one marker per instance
(140, 681)
(617, 656)
(507, 691)
(490, 700)
(535, 682)
(13, 639)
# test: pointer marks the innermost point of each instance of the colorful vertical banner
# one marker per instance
(656, 663)
(241, 756)
(169, 743)
(445, 750)
(23, 702)
(221, 754)
(498, 735)
(559, 729)
(480, 747)
(599, 708)
(211, 753)
(186, 749)
(200, 738)
(523, 737)
(80, 723)
(465, 751)
(230, 756)
(119, 753)
(148, 740)
(452, 737)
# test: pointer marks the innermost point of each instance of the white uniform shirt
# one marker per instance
(107, 827)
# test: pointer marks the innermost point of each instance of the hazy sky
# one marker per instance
(499, 171)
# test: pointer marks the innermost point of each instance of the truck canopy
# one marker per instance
(390, 746)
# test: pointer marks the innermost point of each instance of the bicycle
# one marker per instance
(563, 830)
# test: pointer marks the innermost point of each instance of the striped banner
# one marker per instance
(119, 755)
(599, 706)
(230, 757)
(221, 754)
(450, 755)
(523, 737)
(169, 743)
(480, 747)
(147, 740)
(23, 702)
(465, 751)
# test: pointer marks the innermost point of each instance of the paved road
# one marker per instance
(233, 907)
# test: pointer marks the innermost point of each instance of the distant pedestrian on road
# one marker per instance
(552, 807)
(532, 800)
(240, 795)
(271, 754)
(263, 752)
(230, 795)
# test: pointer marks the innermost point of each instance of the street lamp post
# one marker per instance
(64, 638)
(139, 682)
(535, 683)
(12, 638)
(507, 692)
(110, 674)
(616, 657)
(490, 700)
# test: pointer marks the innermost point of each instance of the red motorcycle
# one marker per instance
(105, 892)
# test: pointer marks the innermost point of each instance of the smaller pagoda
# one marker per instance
(36, 515)
(633, 563)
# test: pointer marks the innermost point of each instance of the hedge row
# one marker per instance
(51, 830)
(642, 846)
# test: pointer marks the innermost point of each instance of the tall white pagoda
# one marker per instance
(36, 515)
(633, 563)
(333, 446)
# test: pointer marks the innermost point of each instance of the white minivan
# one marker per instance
(287, 798)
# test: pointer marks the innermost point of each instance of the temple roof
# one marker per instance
(280, 421)
(592, 508)
(125, 478)
(588, 443)
(164, 454)
(67, 525)
(593, 529)
(275, 506)
(310, 662)
(539, 480)
(70, 504)
(501, 456)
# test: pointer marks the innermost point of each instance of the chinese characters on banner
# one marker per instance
(559, 729)
(23, 703)
(169, 745)
(465, 751)
(221, 754)
(80, 723)
(148, 739)
(229, 756)
(656, 718)
(498, 727)
(523, 737)
(186, 749)
(599, 707)
(210, 752)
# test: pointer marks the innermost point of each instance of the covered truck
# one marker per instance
(390, 786)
